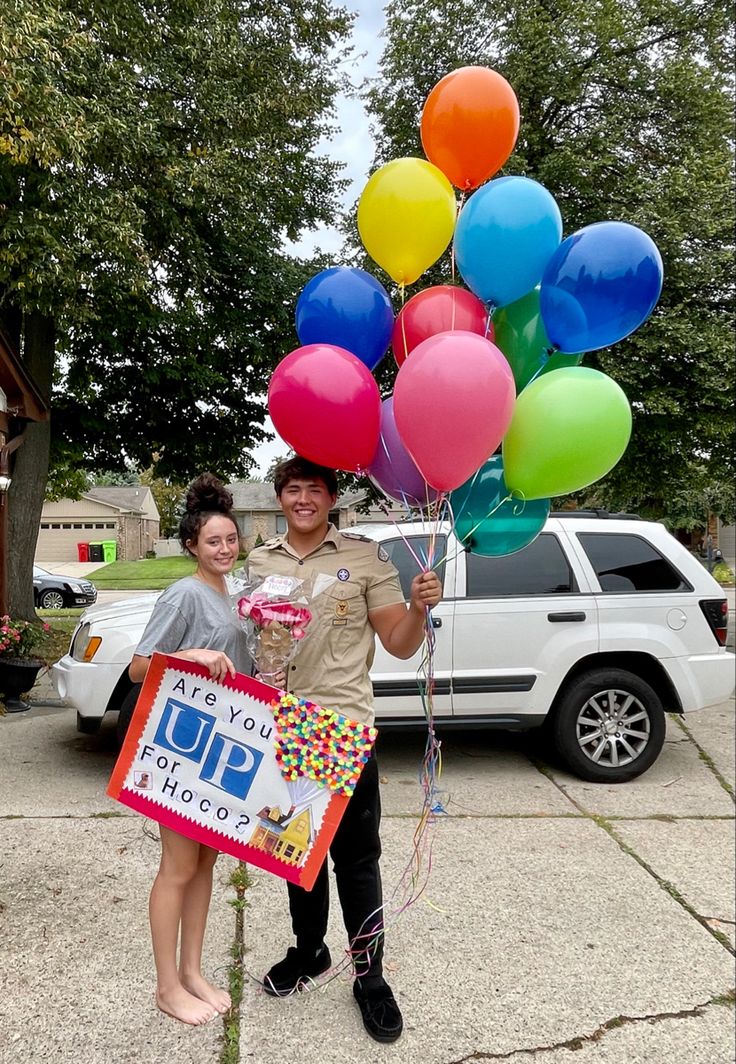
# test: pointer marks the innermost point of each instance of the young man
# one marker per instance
(331, 669)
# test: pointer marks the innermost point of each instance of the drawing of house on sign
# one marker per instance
(284, 835)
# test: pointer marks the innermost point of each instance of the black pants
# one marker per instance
(355, 851)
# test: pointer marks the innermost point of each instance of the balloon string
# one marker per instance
(544, 358)
(459, 207)
(403, 327)
(491, 309)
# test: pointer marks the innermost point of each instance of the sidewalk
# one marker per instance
(72, 568)
(559, 915)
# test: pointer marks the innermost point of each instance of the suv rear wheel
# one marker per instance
(609, 726)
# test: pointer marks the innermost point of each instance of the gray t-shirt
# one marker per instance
(191, 615)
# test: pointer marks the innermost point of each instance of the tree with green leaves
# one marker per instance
(153, 159)
(626, 113)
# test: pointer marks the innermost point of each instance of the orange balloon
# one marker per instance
(470, 123)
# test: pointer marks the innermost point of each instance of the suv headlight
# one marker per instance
(84, 646)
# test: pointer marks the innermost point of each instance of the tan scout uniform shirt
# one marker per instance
(331, 666)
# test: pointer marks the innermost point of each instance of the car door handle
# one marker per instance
(436, 622)
(577, 615)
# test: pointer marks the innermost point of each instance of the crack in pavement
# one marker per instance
(595, 1036)
(705, 756)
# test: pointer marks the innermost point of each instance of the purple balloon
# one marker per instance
(393, 469)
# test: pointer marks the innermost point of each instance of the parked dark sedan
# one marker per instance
(53, 592)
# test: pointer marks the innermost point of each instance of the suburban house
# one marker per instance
(126, 516)
(259, 515)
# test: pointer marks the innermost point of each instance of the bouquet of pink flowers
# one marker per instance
(276, 614)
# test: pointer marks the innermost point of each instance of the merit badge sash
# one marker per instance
(240, 766)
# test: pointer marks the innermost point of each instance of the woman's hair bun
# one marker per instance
(207, 494)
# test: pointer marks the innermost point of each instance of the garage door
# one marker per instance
(57, 540)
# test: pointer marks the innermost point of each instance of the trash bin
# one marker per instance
(83, 552)
(95, 552)
(109, 550)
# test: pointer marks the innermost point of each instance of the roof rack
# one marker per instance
(604, 515)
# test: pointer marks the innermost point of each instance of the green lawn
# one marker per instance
(150, 574)
(57, 642)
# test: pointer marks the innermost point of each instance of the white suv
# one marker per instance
(596, 629)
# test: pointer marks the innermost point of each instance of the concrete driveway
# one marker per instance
(559, 915)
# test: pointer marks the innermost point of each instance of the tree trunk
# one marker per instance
(30, 470)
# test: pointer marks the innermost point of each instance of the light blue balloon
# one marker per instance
(505, 236)
(600, 285)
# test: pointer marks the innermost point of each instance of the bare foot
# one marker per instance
(184, 1006)
(212, 995)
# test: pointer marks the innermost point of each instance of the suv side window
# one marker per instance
(405, 561)
(541, 568)
(629, 563)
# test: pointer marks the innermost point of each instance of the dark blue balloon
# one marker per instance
(347, 307)
(600, 285)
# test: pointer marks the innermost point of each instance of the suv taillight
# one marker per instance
(716, 614)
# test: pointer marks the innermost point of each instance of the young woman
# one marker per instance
(193, 619)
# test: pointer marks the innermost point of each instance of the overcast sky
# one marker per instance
(351, 145)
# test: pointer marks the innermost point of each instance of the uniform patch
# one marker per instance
(343, 574)
(382, 555)
(342, 608)
(339, 622)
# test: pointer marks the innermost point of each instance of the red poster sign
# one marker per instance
(240, 766)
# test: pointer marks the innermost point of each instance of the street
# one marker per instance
(559, 915)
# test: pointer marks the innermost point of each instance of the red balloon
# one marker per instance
(325, 404)
(440, 309)
(453, 401)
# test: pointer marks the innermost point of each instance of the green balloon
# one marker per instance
(521, 336)
(569, 429)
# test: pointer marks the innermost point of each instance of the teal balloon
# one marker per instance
(521, 336)
(487, 522)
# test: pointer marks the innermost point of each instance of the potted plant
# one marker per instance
(18, 666)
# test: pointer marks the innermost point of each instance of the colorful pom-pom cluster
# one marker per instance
(320, 744)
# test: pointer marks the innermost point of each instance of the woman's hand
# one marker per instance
(217, 664)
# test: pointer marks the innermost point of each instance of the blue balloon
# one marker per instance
(347, 307)
(600, 285)
(505, 236)
(490, 523)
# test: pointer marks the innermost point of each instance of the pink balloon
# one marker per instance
(453, 401)
(325, 403)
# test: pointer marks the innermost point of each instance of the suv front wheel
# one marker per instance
(126, 712)
(609, 726)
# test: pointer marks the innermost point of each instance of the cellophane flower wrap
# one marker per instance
(277, 613)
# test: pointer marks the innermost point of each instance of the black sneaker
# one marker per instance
(295, 969)
(381, 1015)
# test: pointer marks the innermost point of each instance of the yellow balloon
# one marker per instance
(406, 217)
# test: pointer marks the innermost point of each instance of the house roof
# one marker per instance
(22, 394)
(255, 495)
(123, 499)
